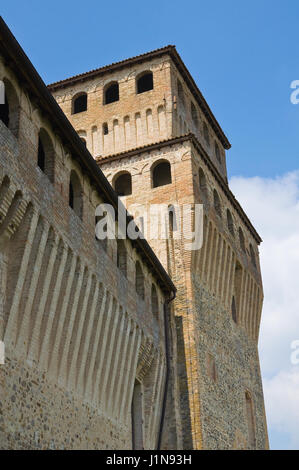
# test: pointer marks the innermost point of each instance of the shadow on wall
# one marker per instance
(183, 385)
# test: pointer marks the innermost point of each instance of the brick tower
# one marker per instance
(151, 131)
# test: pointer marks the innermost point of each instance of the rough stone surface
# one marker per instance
(82, 346)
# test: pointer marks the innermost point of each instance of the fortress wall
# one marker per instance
(217, 357)
(76, 333)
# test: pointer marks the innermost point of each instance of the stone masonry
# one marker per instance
(219, 300)
(86, 363)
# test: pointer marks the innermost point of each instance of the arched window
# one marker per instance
(45, 154)
(242, 240)
(172, 219)
(206, 133)
(155, 310)
(203, 184)
(105, 128)
(111, 93)
(194, 115)
(144, 82)
(181, 93)
(122, 257)
(161, 174)
(79, 103)
(237, 292)
(139, 280)
(75, 194)
(252, 255)
(250, 421)
(41, 155)
(10, 110)
(230, 222)
(217, 204)
(217, 152)
(123, 184)
(83, 136)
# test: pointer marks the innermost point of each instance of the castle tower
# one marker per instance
(151, 131)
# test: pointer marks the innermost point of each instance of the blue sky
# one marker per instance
(243, 56)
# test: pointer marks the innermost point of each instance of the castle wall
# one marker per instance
(217, 355)
(186, 120)
(77, 334)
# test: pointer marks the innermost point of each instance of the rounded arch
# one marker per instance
(144, 81)
(217, 204)
(237, 286)
(122, 183)
(10, 111)
(172, 219)
(75, 194)
(230, 222)
(111, 93)
(79, 102)
(105, 128)
(161, 173)
(46, 154)
(139, 280)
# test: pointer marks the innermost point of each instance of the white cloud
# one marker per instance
(281, 394)
(273, 207)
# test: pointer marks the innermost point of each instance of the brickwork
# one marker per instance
(220, 294)
(138, 119)
(77, 334)
(206, 282)
(85, 328)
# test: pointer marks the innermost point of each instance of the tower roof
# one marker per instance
(174, 55)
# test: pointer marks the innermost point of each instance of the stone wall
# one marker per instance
(77, 334)
(218, 364)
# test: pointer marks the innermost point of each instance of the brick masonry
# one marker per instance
(219, 384)
(78, 336)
